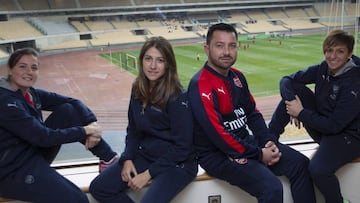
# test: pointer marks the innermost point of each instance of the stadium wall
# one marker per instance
(55, 39)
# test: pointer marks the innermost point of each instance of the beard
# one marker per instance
(224, 62)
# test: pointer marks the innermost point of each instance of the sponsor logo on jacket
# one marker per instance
(237, 123)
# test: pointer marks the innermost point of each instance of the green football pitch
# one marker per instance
(263, 61)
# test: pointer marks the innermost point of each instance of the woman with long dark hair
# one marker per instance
(159, 145)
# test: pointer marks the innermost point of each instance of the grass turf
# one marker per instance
(264, 62)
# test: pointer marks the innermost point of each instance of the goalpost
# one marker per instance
(127, 61)
(131, 62)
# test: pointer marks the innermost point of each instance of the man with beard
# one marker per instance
(231, 137)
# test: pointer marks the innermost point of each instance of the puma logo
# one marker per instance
(221, 90)
(206, 95)
(12, 105)
(354, 93)
(185, 104)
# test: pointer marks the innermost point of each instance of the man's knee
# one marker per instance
(302, 160)
(270, 190)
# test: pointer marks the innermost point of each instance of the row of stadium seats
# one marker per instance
(120, 29)
(16, 5)
(47, 25)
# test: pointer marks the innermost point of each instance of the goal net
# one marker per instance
(130, 62)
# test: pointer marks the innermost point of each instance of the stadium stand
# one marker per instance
(33, 5)
(262, 26)
(295, 13)
(124, 24)
(117, 37)
(3, 54)
(311, 12)
(335, 9)
(149, 23)
(110, 3)
(204, 17)
(337, 23)
(8, 6)
(67, 45)
(276, 13)
(238, 17)
(80, 26)
(52, 25)
(257, 15)
(172, 33)
(55, 4)
(351, 9)
(301, 24)
(99, 25)
(156, 2)
(9, 30)
(48, 23)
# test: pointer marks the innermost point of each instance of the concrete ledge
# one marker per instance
(205, 187)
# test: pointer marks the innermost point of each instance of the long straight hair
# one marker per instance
(166, 87)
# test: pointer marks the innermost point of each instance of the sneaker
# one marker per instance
(104, 164)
